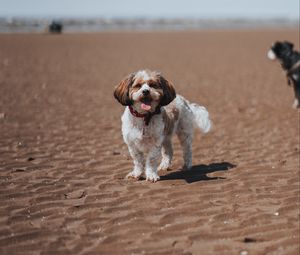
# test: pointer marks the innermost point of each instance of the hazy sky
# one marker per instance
(151, 8)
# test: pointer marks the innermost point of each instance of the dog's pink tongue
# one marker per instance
(146, 107)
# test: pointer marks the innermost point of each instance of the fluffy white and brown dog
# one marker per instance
(152, 115)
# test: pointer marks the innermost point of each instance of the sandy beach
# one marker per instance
(63, 161)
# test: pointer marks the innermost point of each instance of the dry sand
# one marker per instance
(63, 160)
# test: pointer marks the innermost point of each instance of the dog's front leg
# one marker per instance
(296, 85)
(152, 162)
(138, 161)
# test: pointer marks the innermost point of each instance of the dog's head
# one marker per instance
(145, 90)
(279, 50)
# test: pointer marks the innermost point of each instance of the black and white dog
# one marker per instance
(290, 62)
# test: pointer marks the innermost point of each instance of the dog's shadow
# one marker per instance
(198, 172)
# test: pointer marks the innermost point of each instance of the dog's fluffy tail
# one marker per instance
(201, 117)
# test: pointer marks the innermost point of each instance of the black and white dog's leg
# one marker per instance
(296, 85)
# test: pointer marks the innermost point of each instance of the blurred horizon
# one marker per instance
(142, 15)
(167, 9)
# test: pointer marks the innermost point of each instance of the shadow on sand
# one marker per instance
(198, 172)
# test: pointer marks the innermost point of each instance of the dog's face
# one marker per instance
(280, 49)
(145, 90)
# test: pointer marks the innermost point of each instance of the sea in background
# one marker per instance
(73, 25)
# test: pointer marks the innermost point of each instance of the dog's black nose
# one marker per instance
(146, 92)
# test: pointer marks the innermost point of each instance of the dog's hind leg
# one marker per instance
(186, 140)
(167, 154)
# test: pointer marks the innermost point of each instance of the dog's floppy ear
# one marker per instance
(168, 90)
(289, 44)
(121, 92)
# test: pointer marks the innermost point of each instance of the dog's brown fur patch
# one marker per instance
(170, 116)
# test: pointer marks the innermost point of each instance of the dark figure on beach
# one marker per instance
(290, 62)
(55, 27)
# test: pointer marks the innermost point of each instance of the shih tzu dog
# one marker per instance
(152, 115)
(290, 62)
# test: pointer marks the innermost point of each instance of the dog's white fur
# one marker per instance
(148, 143)
(271, 55)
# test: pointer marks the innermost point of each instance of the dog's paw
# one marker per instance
(134, 175)
(152, 177)
(164, 165)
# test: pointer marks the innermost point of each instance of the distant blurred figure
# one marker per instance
(55, 27)
(290, 62)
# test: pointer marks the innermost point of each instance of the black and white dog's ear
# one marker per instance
(289, 44)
